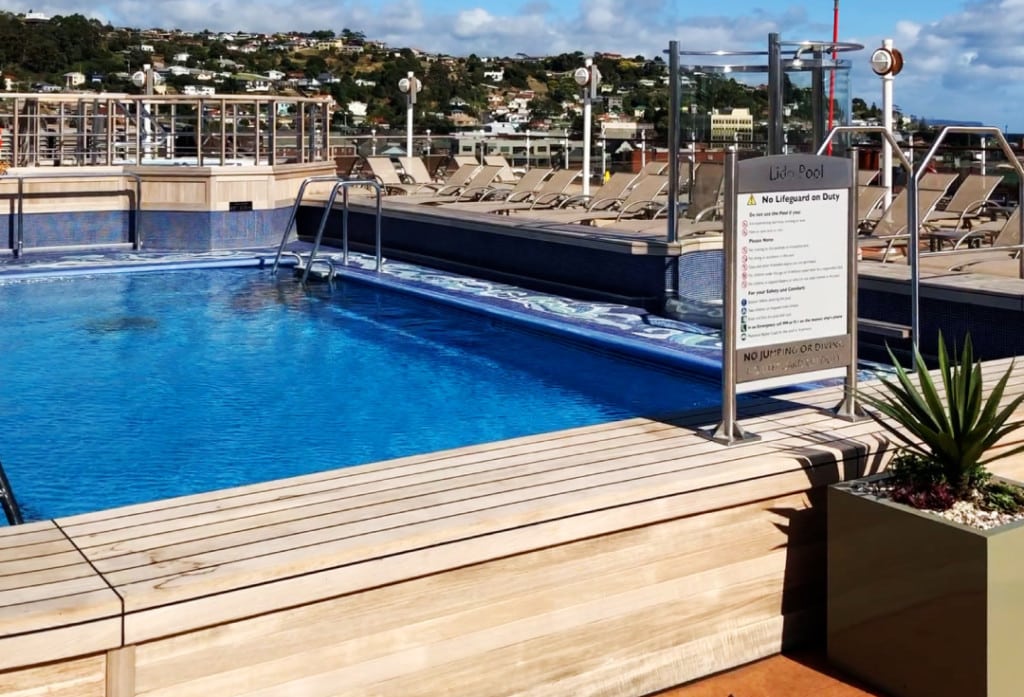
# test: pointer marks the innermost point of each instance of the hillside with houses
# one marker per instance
(76, 54)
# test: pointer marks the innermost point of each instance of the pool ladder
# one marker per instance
(342, 185)
(7, 500)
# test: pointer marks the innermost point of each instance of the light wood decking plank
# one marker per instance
(81, 677)
(397, 517)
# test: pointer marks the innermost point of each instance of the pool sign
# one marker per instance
(790, 268)
(791, 283)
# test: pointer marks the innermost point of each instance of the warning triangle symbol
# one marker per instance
(751, 201)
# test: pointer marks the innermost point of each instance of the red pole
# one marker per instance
(832, 73)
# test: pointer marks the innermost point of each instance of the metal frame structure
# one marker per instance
(89, 129)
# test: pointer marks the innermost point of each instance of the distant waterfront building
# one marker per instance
(732, 124)
(73, 79)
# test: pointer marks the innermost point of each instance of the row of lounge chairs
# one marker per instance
(625, 203)
(637, 203)
(954, 220)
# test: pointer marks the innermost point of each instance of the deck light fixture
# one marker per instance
(588, 77)
(410, 85)
(886, 61)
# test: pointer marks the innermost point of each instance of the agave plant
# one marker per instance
(950, 432)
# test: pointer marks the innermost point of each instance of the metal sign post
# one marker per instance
(788, 266)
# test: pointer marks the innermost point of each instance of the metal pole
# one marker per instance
(818, 110)
(913, 258)
(887, 83)
(775, 96)
(728, 426)
(587, 89)
(1020, 231)
(674, 105)
(643, 148)
(409, 100)
(604, 155)
(728, 432)
(848, 408)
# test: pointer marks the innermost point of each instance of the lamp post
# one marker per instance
(373, 142)
(428, 142)
(588, 78)
(565, 148)
(410, 85)
(643, 149)
(527, 148)
(886, 63)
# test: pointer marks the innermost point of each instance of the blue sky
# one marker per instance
(964, 59)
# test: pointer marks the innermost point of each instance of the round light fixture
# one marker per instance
(581, 76)
(139, 78)
(886, 61)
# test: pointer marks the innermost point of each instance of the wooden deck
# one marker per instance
(619, 559)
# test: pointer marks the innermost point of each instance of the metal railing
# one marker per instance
(89, 129)
(7, 501)
(344, 186)
(135, 224)
(339, 184)
(1017, 168)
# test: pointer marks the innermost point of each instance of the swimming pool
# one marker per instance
(125, 388)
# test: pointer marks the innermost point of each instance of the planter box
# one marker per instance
(922, 607)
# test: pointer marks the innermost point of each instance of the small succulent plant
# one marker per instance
(947, 435)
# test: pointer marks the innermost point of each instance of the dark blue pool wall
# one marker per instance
(541, 261)
(550, 263)
(195, 231)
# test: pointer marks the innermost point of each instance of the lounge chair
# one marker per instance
(344, 165)
(613, 190)
(890, 230)
(1005, 232)
(700, 215)
(477, 185)
(553, 191)
(642, 197)
(654, 167)
(897, 208)
(505, 175)
(866, 177)
(465, 160)
(416, 169)
(526, 189)
(868, 198)
(967, 203)
(384, 173)
(999, 231)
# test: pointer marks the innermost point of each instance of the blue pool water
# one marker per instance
(124, 388)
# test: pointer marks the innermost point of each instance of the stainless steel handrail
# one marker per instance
(295, 211)
(7, 500)
(19, 243)
(344, 186)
